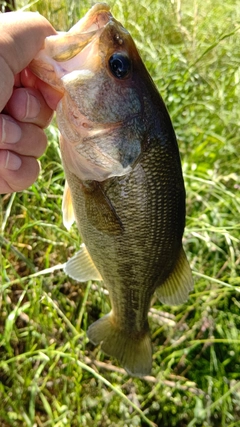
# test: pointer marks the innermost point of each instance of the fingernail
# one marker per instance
(13, 162)
(11, 132)
(32, 107)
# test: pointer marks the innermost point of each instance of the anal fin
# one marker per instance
(81, 267)
(177, 286)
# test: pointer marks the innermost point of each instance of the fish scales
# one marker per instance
(143, 215)
(124, 184)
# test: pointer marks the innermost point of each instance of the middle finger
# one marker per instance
(28, 105)
(32, 141)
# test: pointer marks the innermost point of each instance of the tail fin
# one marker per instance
(135, 354)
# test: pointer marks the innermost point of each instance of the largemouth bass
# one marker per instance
(124, 180)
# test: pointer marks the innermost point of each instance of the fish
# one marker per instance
(124, 183)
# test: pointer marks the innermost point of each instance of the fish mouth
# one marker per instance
(69, 51)
(98, 16)
(82, 33)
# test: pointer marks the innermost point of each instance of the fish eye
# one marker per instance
(120, 65)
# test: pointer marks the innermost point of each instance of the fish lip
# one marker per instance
(53, 59)
(95, 19)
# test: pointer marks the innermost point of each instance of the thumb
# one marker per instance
(22, 36)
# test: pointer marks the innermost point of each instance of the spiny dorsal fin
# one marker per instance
(177, 286)
(81, 267)
(67, 208)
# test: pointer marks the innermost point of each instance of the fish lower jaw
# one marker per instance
(95, 19)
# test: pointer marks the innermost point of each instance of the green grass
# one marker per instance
(50, 375)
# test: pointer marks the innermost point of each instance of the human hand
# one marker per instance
(26, 103)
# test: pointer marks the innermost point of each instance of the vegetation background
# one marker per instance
(50, 375)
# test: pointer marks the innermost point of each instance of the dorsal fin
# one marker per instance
(177, 286)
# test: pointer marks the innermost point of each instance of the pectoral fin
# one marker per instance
(81, 267)
(177, 286)
(101, 212)
(67, 208)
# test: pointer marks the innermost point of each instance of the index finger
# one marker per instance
(22, 36)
